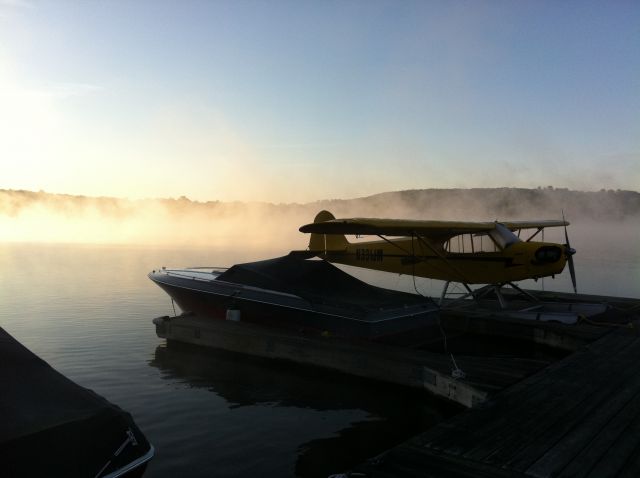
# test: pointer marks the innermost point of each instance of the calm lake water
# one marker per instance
(87, 311)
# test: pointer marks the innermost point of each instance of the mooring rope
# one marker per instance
(456, 372)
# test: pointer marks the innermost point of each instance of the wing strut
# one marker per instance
(395, 245)
(435, 250)
(535, 234)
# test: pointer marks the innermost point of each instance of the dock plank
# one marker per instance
(575, 431)
(570, 403)
(510, 415)
(631, 467)
(617, 435)
(620, 451)
(406, 461)
(486, 322)
(579, 417)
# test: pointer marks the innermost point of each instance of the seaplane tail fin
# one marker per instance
(327, 242)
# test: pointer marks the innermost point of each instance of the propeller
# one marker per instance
(569, 251)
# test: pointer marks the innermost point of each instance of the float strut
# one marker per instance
(444, 293)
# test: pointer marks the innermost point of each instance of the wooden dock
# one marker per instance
(487, 318)
(580, 417)
(467, 380)
(399, 365)
(464, 379)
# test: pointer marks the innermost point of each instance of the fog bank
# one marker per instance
(27, 216)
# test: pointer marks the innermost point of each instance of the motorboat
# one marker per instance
(299, 293)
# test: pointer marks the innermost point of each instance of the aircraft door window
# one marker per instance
(470, 244)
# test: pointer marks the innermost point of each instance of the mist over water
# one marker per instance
(42, 217)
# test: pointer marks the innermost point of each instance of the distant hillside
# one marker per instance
(472, 204)
(498, 203)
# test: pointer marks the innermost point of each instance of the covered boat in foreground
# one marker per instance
(292, 292)
(52, 426)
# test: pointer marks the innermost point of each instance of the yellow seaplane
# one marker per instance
(496, 254)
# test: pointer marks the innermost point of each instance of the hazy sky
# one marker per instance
(291, 101)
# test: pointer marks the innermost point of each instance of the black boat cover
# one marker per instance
(316, 281)
(50, 426)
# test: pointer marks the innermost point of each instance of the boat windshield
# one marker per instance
(502, 236)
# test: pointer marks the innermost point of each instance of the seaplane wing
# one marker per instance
(515, 225)
(401, 227)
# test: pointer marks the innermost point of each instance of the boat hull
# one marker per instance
(320, 313)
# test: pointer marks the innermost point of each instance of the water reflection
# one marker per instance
(378, 416)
